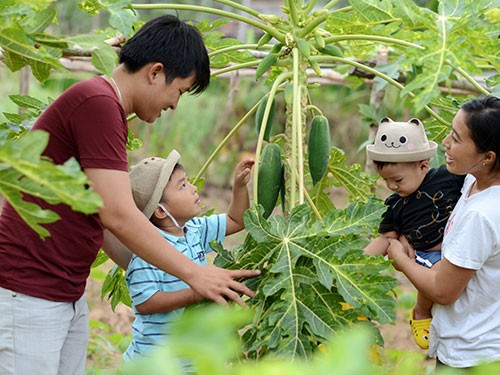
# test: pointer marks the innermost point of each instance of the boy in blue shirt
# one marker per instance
(163, 193)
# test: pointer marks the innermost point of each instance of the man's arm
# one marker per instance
(240, 200)
(118, 252)
(124, 220)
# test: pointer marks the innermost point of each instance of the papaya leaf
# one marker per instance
(90, 6)
(115, 288)
(28, 102)
(49, 40)
(307, 273)
(25, 171)
(41, 20)
(122, 20)
(13, 117)
(104, 59)
(373, 10)
(133, 143)
(31, 213)
(101, 258)
(40, 70)
(15, 40)
(13, 61)
(356, 182)
(358, 217)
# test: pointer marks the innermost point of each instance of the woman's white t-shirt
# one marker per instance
(467, 331)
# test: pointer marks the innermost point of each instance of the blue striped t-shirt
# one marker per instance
(144, 280)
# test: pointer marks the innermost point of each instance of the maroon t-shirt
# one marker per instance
(88, 123)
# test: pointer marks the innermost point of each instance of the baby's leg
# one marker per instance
(422, 308)
(424, 305)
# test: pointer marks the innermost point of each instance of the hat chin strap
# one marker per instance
(171, 217)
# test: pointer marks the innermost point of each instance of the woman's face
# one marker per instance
(461, 153)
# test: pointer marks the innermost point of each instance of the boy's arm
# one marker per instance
(240, 200)
(379, 245)
(163, 302)
(122, 218)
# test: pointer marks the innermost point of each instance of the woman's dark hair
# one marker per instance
(173, 43)
(483, 120)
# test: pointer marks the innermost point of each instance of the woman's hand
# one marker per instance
(409, 249)
(398, 253)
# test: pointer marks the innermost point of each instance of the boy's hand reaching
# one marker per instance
(243, 171)
(240, 200)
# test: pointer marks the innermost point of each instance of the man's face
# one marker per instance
(162, 96)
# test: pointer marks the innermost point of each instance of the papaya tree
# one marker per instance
(315, 278)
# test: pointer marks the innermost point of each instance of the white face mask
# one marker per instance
(170, 216)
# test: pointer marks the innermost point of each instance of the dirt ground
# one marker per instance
(397, 336)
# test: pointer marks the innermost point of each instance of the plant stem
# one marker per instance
(239, 6)
(312, 25)
(269, 29)
(235, 67)
(310, 6)
(376, 38)
(311, 203)
(292, 11)
(226, 139)
(469, 78)
(237, 47)
(295, 124)
(331, 4)
(312, 108)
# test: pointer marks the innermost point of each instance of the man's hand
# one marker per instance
(219, 284)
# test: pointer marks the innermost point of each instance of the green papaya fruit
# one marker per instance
(318, 147)
(270, 178)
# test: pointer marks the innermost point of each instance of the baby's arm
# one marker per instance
(240, 200)
(163, 302)
(379, 245)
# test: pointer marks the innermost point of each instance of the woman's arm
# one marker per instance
(442, 285)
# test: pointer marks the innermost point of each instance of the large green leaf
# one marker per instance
(15, 40)
(307, 273)
(358, 218)
(41, 20)
(355, 181)
(23, 170)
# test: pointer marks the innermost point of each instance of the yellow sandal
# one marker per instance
(421, 329)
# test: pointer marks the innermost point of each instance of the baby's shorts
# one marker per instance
(427, 258)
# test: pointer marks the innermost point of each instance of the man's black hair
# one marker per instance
(173, 43)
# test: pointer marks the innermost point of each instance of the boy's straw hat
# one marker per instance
(401, 142)
(149, 178)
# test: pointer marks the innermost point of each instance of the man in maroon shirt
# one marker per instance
(43, 312)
